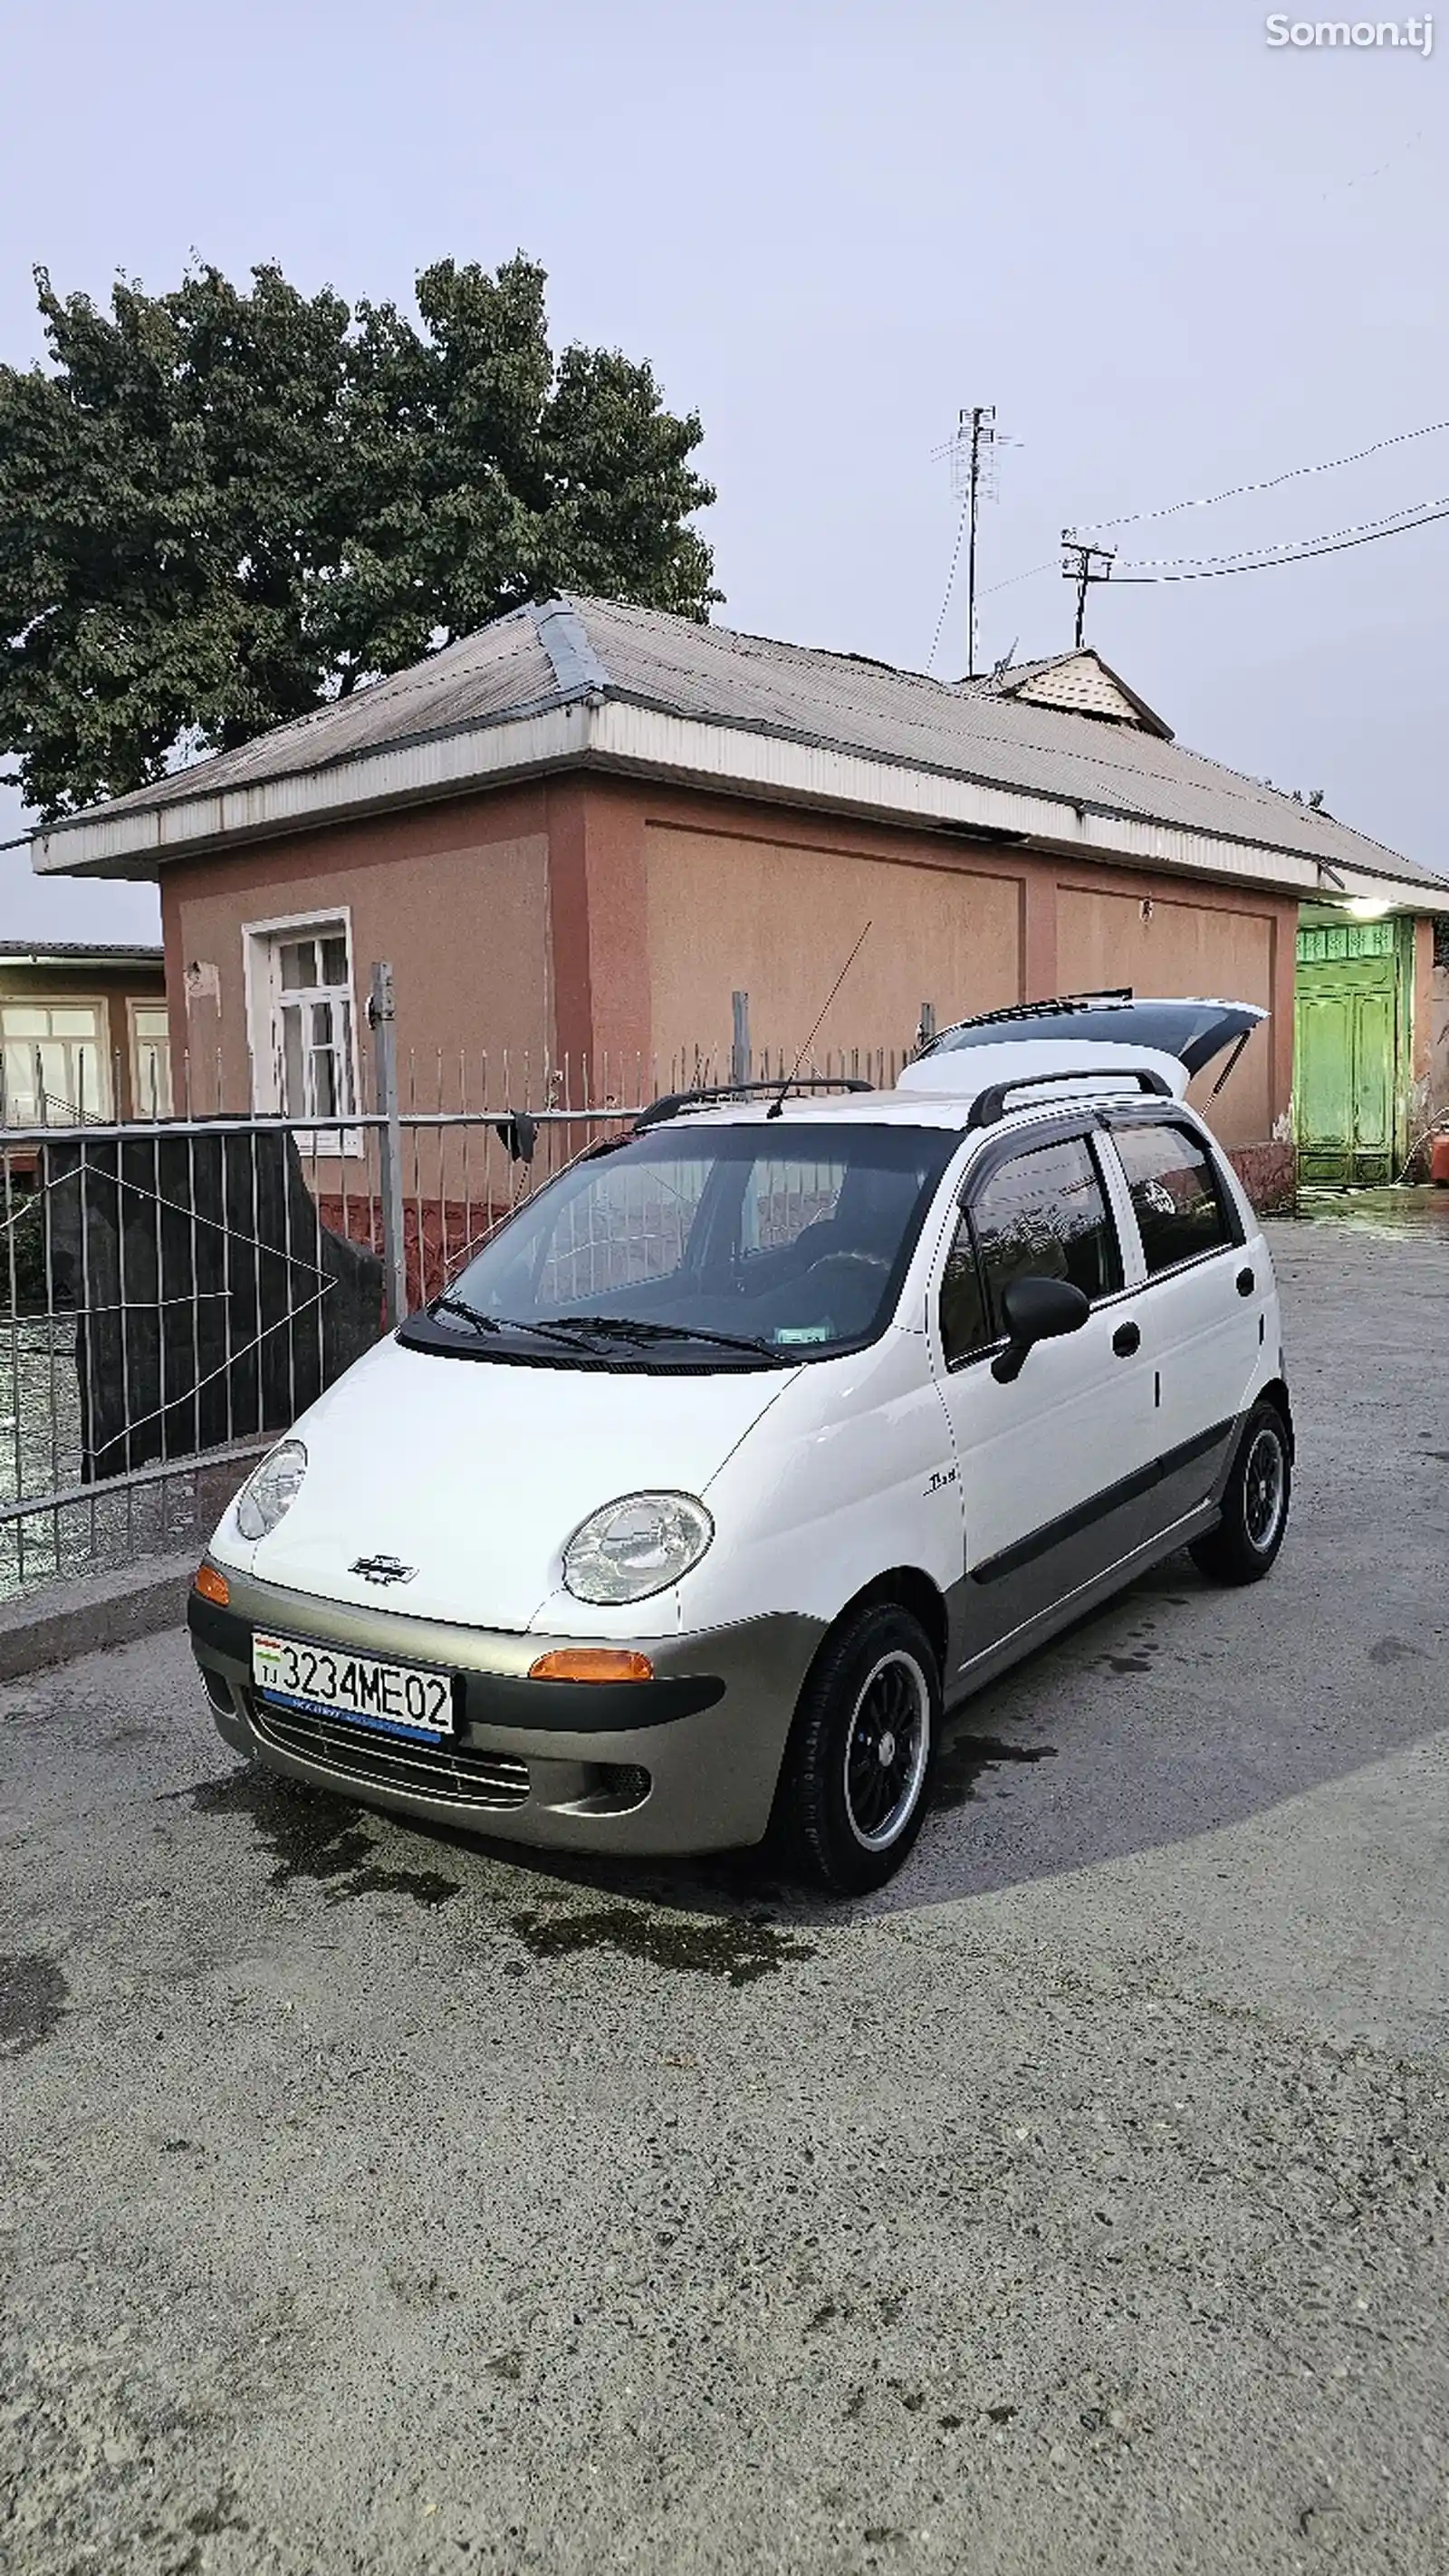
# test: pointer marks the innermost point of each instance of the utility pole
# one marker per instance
(1077, 567)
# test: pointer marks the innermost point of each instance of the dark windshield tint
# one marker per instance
(790, 1236)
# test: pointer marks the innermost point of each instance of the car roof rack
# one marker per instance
(673, 1102)
(989, 1106)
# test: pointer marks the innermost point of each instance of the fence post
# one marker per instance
(381, 1019)
(740, 1050)
(927, 1029)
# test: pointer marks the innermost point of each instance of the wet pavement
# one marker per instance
(375, 2199)
(1384, 1212)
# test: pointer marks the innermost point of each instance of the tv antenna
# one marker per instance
(972, 455)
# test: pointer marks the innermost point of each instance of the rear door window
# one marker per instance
(1179, 1203)
(1043, 1215)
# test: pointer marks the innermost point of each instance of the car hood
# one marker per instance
(477, 1473)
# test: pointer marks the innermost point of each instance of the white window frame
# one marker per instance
(102, 1111)
(140, 1104)
(262, 942)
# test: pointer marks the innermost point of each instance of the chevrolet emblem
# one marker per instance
(382, 1569)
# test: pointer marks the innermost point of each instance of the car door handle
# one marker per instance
(1246, 1283)
(1126, 1340)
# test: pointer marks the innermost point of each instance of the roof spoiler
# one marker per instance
(1195, 1031)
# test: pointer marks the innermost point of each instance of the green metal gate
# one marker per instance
(1351, 1051)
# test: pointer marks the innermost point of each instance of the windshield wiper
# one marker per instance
(499, 1323)
(637, 1328)
(471, 1314)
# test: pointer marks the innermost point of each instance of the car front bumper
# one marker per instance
(685, 1763)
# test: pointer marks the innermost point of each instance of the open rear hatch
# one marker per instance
(1195, 1032)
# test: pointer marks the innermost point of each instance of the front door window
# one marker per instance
(1040, 1216)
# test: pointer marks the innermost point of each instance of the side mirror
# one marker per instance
(1036, 1310)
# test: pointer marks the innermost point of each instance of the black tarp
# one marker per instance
(211, 1302)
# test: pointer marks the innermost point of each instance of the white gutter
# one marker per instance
(140, 839)
(721, 756)
(613, 734)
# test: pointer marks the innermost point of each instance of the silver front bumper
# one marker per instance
(627, 1767)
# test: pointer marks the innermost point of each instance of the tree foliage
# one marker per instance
(221, 508)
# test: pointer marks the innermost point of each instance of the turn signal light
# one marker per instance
(591, 1664)
(213, 1586)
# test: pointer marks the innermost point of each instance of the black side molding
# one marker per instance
(1112, 1498)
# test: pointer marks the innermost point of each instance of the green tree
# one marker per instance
(219, 509)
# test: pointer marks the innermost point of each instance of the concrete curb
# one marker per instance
(70, 1619)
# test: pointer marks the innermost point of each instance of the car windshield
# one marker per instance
(705, 1246)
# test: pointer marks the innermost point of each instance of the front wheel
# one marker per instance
(853, 1788)
(1255, 1505)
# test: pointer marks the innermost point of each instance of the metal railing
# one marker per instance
(174, 1291)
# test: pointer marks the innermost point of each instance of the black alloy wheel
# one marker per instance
(1244, 1546)
(857, 1768)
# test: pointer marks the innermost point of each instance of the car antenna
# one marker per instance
(778, 1103)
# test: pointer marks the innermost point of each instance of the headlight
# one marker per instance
(639, 1545)
(272, 1490)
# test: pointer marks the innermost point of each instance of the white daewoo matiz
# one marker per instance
(759, 1436)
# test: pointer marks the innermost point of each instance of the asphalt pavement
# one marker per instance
(376, 2201)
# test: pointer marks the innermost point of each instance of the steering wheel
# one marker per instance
(874, 1262)
(864, 1271)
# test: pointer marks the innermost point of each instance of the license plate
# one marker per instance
(393, 1699)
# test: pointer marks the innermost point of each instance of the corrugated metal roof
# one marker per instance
(78, 952)
(899, 715)
(503, 670)
(586, 649)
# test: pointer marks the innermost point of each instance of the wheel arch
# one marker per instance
(906, 1587)
(1276, 1394)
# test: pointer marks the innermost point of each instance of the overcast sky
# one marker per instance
(1175, 258)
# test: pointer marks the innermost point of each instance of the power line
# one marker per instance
(1030, 575)
(1399, 526)
(1411, 512)
(1295, 474)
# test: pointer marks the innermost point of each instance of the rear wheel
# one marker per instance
(1255, 1505)
(853, 1788)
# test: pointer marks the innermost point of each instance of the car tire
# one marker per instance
(1244, 1546)
(857, 1768)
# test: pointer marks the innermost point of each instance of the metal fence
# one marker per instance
(175, 1290)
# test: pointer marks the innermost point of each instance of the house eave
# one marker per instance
(631, 738)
